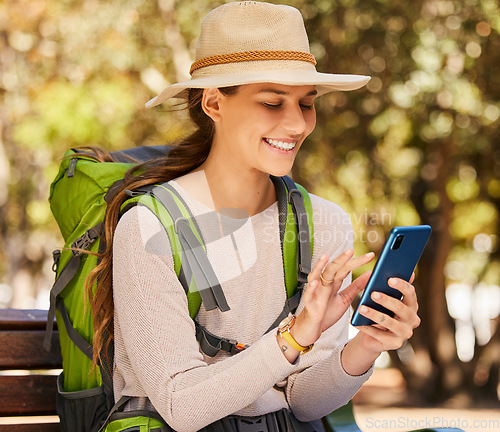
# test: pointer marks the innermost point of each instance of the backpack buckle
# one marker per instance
(236, 347)
(56, 256)
(291, 193)
(84, 241)
(252, 424)
(178, 222)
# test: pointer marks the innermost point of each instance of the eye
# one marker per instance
(307, 107)
(272, 105)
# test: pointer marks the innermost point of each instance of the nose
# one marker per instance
(295, 121)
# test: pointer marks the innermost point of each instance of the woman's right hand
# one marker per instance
(324, 303)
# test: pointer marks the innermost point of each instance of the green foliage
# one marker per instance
(418, 145)
(67, 115)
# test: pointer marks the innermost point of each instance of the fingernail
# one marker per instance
(376, 296)
(363, 309)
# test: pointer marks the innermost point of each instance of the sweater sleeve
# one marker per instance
(160, 357)
(321, 385)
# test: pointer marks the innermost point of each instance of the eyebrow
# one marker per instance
(281, 92)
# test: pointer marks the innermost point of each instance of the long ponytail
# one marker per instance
(184, 157)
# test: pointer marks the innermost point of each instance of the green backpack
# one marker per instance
(78, 200)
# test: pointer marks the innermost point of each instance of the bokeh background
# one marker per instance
(420, 144)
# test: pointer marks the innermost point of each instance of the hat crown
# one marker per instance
(251, 26)
(250, 42)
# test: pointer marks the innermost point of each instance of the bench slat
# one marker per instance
(28, 394)
(40, 427)
(24, 350)
(19, 319)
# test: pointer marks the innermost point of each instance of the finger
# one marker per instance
(358, 285)
(377, 317)
(340, 268)
(353, 264)
(407, 290)
(412, 277)
(331, 268)
(308, 293)
(402, 312)
(343, 272)
(386, 340)
(319, 273)
(399, 330)
(318, 268)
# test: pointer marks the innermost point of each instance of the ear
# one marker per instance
(210, 103)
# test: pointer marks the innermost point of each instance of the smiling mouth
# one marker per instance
(281, 145)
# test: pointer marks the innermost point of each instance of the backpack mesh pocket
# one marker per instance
(81, 411)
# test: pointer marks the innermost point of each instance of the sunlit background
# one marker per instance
(419, 145)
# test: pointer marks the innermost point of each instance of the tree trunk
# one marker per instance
(436, 333)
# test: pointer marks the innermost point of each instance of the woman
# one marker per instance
(252, 97)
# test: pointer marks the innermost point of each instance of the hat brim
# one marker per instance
(323, 82)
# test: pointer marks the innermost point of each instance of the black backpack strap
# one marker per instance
(117, 407)
(67, 273)
(106, 365)
(73, 334)
(211, 344)
(290, 305)
(198, 265)
(141, 154)
(287, 192)
(296, 199)
(281, 193)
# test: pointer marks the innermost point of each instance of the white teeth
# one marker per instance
(280, 144)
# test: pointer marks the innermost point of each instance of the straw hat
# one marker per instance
(254, 42)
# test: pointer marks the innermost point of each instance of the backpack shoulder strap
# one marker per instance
(296, 231)
(190, 259)
(296, 234)
(299, 233)
(192, 265)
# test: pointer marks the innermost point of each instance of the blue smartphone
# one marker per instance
(399, 257)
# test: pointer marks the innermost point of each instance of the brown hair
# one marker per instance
(184, 157)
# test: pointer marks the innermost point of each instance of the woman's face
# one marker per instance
(262, 126)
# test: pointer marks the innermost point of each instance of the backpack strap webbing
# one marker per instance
(194, 259)
(117, 413)
(296, 199)
(73, 334)
(211, 344)
(65, 276)
(294, 219)
(296, 234)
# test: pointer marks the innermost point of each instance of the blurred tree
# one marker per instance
(419, 145)
(422, 146)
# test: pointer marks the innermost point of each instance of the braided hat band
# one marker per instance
(252, 56)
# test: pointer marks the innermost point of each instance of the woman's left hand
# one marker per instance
(390, 333)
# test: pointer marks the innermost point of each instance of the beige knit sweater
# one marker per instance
(157, 357)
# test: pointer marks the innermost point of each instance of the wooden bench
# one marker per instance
(28, 382)
(27, 378)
